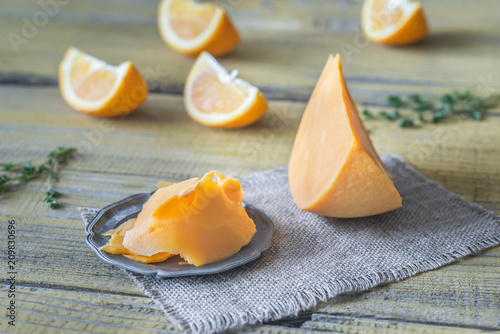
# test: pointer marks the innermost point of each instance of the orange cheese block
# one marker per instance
(334, 169)
(202, 220)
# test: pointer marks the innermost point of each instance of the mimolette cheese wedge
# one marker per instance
(334, 169)
(202, 220)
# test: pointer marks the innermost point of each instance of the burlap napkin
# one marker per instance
(313, 258)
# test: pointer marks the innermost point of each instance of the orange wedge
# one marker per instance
(189, 27)
(91, 86)
(393, 22)
(216, 98)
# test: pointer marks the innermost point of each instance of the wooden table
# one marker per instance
(63, 287)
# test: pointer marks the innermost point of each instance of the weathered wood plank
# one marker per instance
(161, 126)
(289, 58)
(268, 329)
(418, 300)
(54, 309)
(367, 325)
(46, 310)
(248, 15)
(314, 16)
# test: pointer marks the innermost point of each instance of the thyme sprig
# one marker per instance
(22, 173)
(432, 111)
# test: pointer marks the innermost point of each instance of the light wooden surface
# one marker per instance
(64, 287)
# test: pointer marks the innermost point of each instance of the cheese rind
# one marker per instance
(334, 169)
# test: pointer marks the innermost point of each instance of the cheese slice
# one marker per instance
(115, 245)
(202, 220)
(334, 169)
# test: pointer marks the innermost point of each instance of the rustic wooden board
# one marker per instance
(369, 325)
(53, 309)
(416, 300)
(63, 287)
(461, 52)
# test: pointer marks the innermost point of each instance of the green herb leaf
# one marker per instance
(447, 98)
(438, 117)
(390, 116)
(406, 123)
(415, 98)
(8, 166)
(423, 106)
(419, 103)
(384, 114)
(4, 179)
(394, 101)
(53, 203)
(367, 114)
(28, 169)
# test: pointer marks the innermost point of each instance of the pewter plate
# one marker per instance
(117, 213)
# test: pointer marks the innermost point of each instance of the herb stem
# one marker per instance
(435, 111)
(26, 172)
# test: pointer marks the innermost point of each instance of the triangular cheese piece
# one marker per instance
(334, 169)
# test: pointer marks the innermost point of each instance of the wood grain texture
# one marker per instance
(63, 287)
(462, 47)
(417, 300)
(369, 325)
(47, 310)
